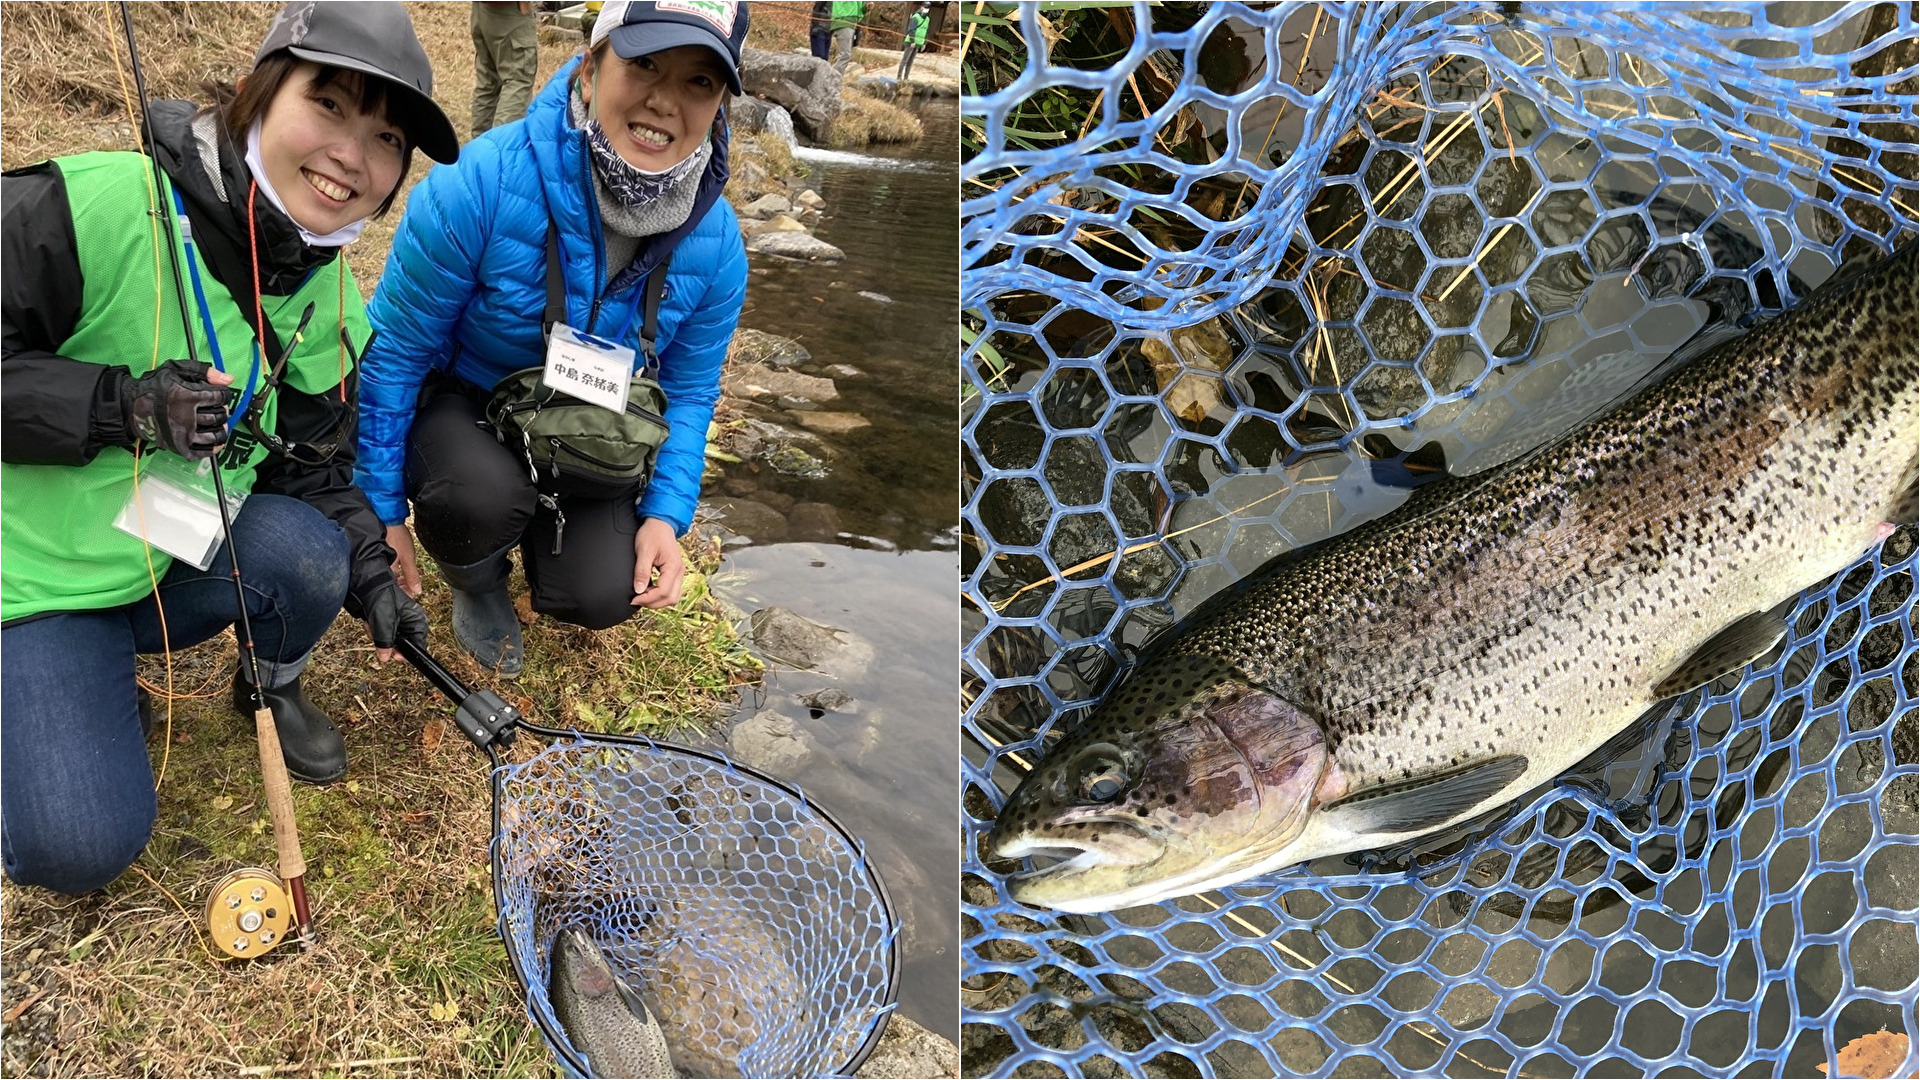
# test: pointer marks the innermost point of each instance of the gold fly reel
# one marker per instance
(248, 913)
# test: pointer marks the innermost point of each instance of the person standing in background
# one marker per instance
(913, 41)
(818, 32)
(846, 16)
(587, 18)
(506, 52)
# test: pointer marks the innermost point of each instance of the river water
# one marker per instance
(886, 771)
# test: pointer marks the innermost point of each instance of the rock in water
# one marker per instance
(808, 87)
(769, 740)
(604, 1018)
(833, 423)
(793, 245)
(779, 122)
(832, 699)
(878, 298)
(760, 347)
(767, 206)
(809, 199)
(793, 461)
(797, 640)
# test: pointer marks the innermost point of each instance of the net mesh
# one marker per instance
(752, 926)
(1297, 259)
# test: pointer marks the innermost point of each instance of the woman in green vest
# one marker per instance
(107, 427)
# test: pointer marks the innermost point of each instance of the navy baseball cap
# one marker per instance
(374, 38)
(641, 27)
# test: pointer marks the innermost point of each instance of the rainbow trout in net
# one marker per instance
(604, 1017)
(1426, 667)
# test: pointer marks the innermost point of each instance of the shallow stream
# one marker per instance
(880, 561)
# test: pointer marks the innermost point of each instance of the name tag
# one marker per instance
(589, 368)
(173, 508)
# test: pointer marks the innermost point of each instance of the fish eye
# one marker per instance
(1102, 780)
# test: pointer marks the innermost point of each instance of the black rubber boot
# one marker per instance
(484, 621)
(309, 741)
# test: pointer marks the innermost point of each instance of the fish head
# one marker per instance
(1186, 777)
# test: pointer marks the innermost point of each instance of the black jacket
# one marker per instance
(61, 411)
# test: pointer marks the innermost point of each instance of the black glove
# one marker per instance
(391, 615)
(175, 408)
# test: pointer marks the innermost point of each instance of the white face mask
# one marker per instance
(338, 238)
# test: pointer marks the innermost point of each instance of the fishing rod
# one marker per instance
(273, 766)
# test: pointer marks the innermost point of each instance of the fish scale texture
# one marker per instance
(750, 923)
(1391, 234)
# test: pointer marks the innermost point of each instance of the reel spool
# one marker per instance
(248, 913)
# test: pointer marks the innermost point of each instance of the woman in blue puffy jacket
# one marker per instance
(619, 167)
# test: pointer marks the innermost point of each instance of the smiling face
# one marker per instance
(331, 161)
(656, 109)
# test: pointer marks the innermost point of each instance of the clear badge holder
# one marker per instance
(173, 507)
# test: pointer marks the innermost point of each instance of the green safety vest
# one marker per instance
(59, 550)
(917, 29)
(846, 13)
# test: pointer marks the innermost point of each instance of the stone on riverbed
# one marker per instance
(832, 423)
(809, 199)
(767, 206)
(844, 371)
(793, 245)
(746, 517)
(800, 642)
(770, 740)
(832, 699)
(909, 1050)
(752, 380)
(760, 347)
(776, 223)
(813, 521)
(793, 461)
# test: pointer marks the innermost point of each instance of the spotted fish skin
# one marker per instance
(604, 1018)
(1521, 615)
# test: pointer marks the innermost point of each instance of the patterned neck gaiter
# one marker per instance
(634, 187)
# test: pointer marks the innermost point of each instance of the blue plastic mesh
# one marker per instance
(751, 924)
(1345, 246)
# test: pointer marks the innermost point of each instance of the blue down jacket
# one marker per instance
(468, 272)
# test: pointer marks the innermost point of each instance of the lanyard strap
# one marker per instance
(206, 315)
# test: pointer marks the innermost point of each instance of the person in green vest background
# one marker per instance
(915, 39)
(108, 434)
(845, 17)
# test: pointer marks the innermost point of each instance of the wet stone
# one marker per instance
(753, 380)
(767, 206)
(832, 423)
(809, 199)
(908, 1050)
(798, 641)
(831, 700)
(739, 486)
(770, 740)
(749, 518)
(793, 245)
(795, 403)
(793, 461)
(813, 521)
(878, 298)
(843, 371)
(779, 500)
(776, 224)
(760, 347)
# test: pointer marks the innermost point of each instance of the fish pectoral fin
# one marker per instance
(1423, 802)
(1740, 644)
(631, 999)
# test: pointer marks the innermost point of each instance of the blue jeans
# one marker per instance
(76, 787)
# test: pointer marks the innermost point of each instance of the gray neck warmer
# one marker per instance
(668, 209)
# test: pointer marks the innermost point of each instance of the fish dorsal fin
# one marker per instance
(1425, 801)
(1725, 652)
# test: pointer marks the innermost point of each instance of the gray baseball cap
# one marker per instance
(376, 38)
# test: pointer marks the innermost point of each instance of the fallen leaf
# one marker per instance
(523, 607)
(431, 734)
(1872, 1057)
(221, 802)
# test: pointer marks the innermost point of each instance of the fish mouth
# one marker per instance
(1080, 876)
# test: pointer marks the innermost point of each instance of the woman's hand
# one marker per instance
(659, 568)
(405, 570)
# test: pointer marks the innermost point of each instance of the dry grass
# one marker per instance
(408, 977)
(865, 120)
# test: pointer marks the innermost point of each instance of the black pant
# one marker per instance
(473, 497)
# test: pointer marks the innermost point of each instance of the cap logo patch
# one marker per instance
(718, 12)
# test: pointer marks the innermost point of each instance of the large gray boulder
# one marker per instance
(809, 88)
